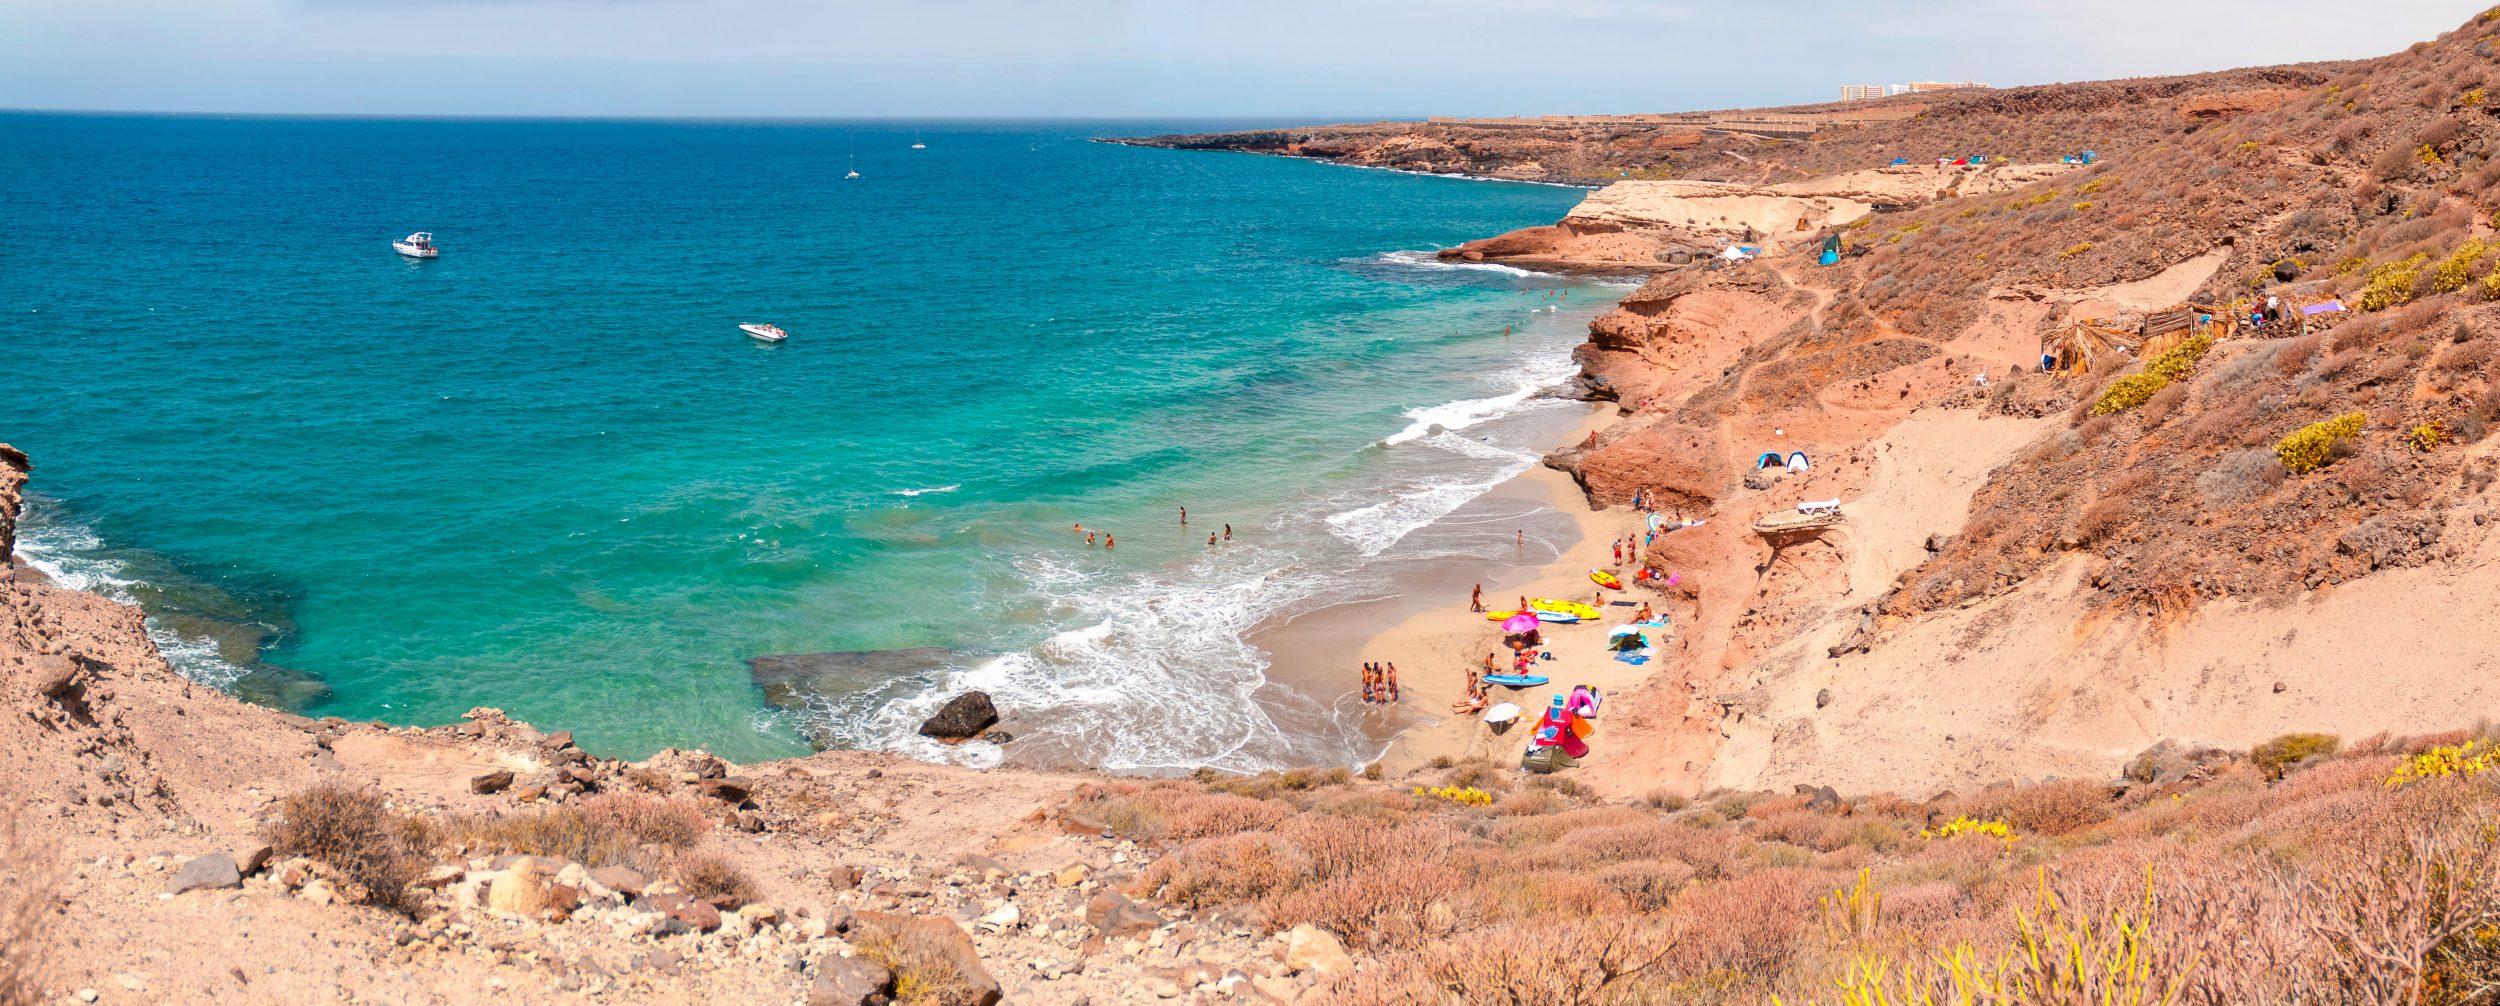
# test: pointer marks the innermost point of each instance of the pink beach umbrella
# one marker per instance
(1521, 622)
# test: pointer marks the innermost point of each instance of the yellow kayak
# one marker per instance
(1586, 612)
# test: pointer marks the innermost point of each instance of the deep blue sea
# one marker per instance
(547, 472)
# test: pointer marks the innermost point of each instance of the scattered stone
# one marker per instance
(213, 871)
(1308, 948)
(694, 915)
(1071, 876)
(963, 717)
(1822, 697)
(951, 941)
(1819, 798)
(2279, 687)
(1005, 916)
(850, 981)
(89, 995)
(1114, 915)
(252, 859)
(558, 740)
(733, 790)
(492, 782)
(621, 879)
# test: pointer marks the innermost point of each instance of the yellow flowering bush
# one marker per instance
(2469, 759)
(2426, 436)
(2311, 447)
(2457, 269)
(1967, 825)
(1464, 796)
(2391, 284)
(2076, 250)
(2170, 365)
(2128, 392)
(2491, 286)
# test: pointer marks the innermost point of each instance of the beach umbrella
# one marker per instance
(1624, 630)
(1521, 622)
(1657, 520)
(1501, 713)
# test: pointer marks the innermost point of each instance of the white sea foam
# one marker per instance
(1533, 375)
(1431, 260)
(923, 492)
(1158, 677)
(74, 557)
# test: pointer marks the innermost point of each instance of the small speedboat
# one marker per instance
(766, 333)
(417, 245)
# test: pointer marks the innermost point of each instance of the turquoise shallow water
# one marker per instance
(546, 472)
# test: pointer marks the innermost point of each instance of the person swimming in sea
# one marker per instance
(1210, 539)
(1089, 537)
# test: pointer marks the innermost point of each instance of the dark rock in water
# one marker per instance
(963, 716)
(998, 737)
(852, 683)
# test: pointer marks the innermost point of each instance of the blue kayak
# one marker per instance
(1515, 680)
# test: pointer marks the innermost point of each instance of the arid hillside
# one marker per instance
(2116, 118)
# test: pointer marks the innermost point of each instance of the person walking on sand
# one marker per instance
(1475, 601)
(1618, 551)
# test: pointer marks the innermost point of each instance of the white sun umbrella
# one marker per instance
(1623, 630)
(1502, 713)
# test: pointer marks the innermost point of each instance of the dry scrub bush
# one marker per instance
(1613, 961)
(607, 829)
(712, 877)
(349, 829)
(29, 880)
(1228, 869)
(924, 966)
(2240, 475)
(2054, 808)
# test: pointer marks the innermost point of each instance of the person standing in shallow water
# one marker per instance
(1210, 539)
(1107, 541)
(1184, 516)
(1389, 681)
(1228, 532)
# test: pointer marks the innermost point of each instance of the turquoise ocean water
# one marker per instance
(546, 472)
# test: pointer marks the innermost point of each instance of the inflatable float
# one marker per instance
(1516, 680)
(1584, 612)
(1605, 579)
(1556, 617)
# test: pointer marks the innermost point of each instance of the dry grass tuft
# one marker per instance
(370, 845)
(629, 829)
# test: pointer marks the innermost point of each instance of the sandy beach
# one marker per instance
(1432, 637)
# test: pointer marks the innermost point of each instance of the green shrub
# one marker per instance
(2273, 756)
(2311, 447)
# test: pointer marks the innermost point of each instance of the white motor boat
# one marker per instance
(765, 333)
(417, 245)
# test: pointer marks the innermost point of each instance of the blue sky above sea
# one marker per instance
(1292, 59)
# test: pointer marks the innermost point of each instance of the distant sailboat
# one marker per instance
(915, 141)
(854, 165)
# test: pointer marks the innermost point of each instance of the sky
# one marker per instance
(1300, 60)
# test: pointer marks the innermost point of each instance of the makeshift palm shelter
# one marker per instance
(2082, 347)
